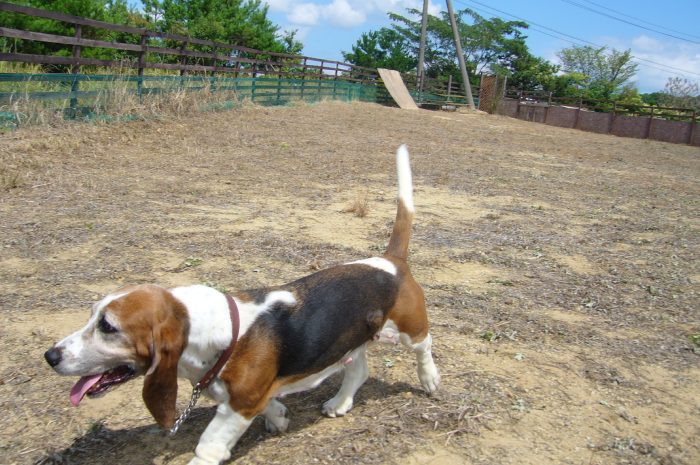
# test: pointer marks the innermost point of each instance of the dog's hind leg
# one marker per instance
(356, 373)
(276, 417)
(410, 319)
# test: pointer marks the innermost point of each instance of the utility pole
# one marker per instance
(421, 49)
(460, 56)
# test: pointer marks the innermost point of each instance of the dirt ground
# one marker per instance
(560, 269)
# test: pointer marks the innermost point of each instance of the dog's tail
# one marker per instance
(400, 236)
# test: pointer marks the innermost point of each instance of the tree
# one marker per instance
(385, 48)
(606, 74)
(680, 93)
(238, 22)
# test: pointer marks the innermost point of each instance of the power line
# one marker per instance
(665, 67)
(602, 13)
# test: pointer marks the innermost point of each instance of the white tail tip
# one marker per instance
(403, 168)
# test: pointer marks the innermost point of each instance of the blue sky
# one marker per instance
(331, 26)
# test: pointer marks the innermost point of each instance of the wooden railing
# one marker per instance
(153, 47)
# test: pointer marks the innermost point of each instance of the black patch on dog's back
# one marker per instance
(339, 309)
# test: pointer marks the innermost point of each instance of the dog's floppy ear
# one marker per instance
(160, 387)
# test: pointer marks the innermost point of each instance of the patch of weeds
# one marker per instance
(9, 180)
(489, 335)
(519, 405)
(190, 262)
(95, 428)
(695, 342)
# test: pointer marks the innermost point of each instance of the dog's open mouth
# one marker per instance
(95, 385)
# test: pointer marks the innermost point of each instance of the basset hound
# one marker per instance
(247, 350)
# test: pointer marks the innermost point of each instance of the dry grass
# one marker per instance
(115, 99)
(359, 206)
(577, 252)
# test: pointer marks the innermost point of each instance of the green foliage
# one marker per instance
(233, 21)
(385, 48)
(598, 74)
(652, 98)
(492, 45)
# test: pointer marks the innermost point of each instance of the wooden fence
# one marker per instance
(263, 76)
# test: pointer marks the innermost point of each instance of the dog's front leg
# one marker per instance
(221, 435)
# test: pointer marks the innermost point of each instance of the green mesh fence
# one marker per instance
(86, 95)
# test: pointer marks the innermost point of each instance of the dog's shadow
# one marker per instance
(142, 445)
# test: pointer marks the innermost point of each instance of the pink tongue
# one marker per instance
(81, 387)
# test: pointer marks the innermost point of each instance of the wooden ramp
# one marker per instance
(397, 89)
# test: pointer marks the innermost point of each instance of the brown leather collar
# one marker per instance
(235, 327)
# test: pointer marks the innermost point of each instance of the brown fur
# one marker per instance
(158, 324)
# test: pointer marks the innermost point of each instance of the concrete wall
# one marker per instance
(678, 132)
(594, 122)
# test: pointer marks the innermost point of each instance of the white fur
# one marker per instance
(220, 436)
(377, 262)
(311, 381)
(403, 168)
(210, 328)
(276, 417)
(356, 373)
(82, 354)
(427, 371)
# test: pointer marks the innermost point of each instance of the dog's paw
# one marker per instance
(201, 461)
(277, 421)
(429, 377)
(337, 407)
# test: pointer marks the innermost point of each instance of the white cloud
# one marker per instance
(645, 43)
(280, 5)
(305, 14)
(341, 13)
(665, 59)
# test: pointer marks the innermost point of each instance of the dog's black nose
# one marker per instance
(53, 356)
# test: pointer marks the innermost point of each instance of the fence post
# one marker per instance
(303, 77)
(75, 70)
(320, 78)
(212, 79)
(449, 87)
(141, 62)
(578, 112)
(255, 79)
(692, 126)
(183, 57)
(651, 116)
(611, 122)
(546, 109)
(335, 81)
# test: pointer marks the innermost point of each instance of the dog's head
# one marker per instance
(135, 330)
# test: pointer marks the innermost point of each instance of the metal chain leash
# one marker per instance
(196, 392)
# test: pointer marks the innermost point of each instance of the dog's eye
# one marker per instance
(104, 326)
